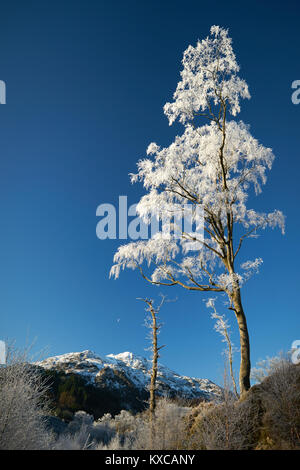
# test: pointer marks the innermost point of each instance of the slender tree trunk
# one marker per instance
(245, 366)
(155, 327)
(230, 360)
(154, 364)
(153, 375)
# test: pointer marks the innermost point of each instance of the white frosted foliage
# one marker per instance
(215, 164)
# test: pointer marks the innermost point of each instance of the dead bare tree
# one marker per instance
(152, 322)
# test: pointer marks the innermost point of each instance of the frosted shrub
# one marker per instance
(280, 395)
(85, 433)
(23, 406)
(169, 428)
(134, 432)
(264, 368)
(231, 425)
(267, 417)
(104, 430)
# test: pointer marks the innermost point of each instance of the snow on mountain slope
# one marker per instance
(127, 369)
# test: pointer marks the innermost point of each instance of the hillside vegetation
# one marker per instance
(267, 417)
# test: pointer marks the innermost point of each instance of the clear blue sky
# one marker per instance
(86, 82)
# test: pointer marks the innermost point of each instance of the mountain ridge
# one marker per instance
(123, 370)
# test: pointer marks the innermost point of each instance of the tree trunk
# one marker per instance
(245, 366)
(153, 375)
(231, 363)
(154, 371)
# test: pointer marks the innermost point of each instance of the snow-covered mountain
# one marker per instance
(129, 371)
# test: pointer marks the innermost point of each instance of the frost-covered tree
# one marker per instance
(222, 327)
(214, 165)
(152, 322)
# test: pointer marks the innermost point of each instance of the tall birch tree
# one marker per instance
(214, 164)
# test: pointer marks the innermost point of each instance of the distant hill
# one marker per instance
(85, 381)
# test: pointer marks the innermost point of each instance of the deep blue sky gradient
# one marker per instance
(86, 83)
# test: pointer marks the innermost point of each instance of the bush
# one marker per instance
(23, 406)
(267, 417)
(280, 397)
(126, 431)
(231, 425)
